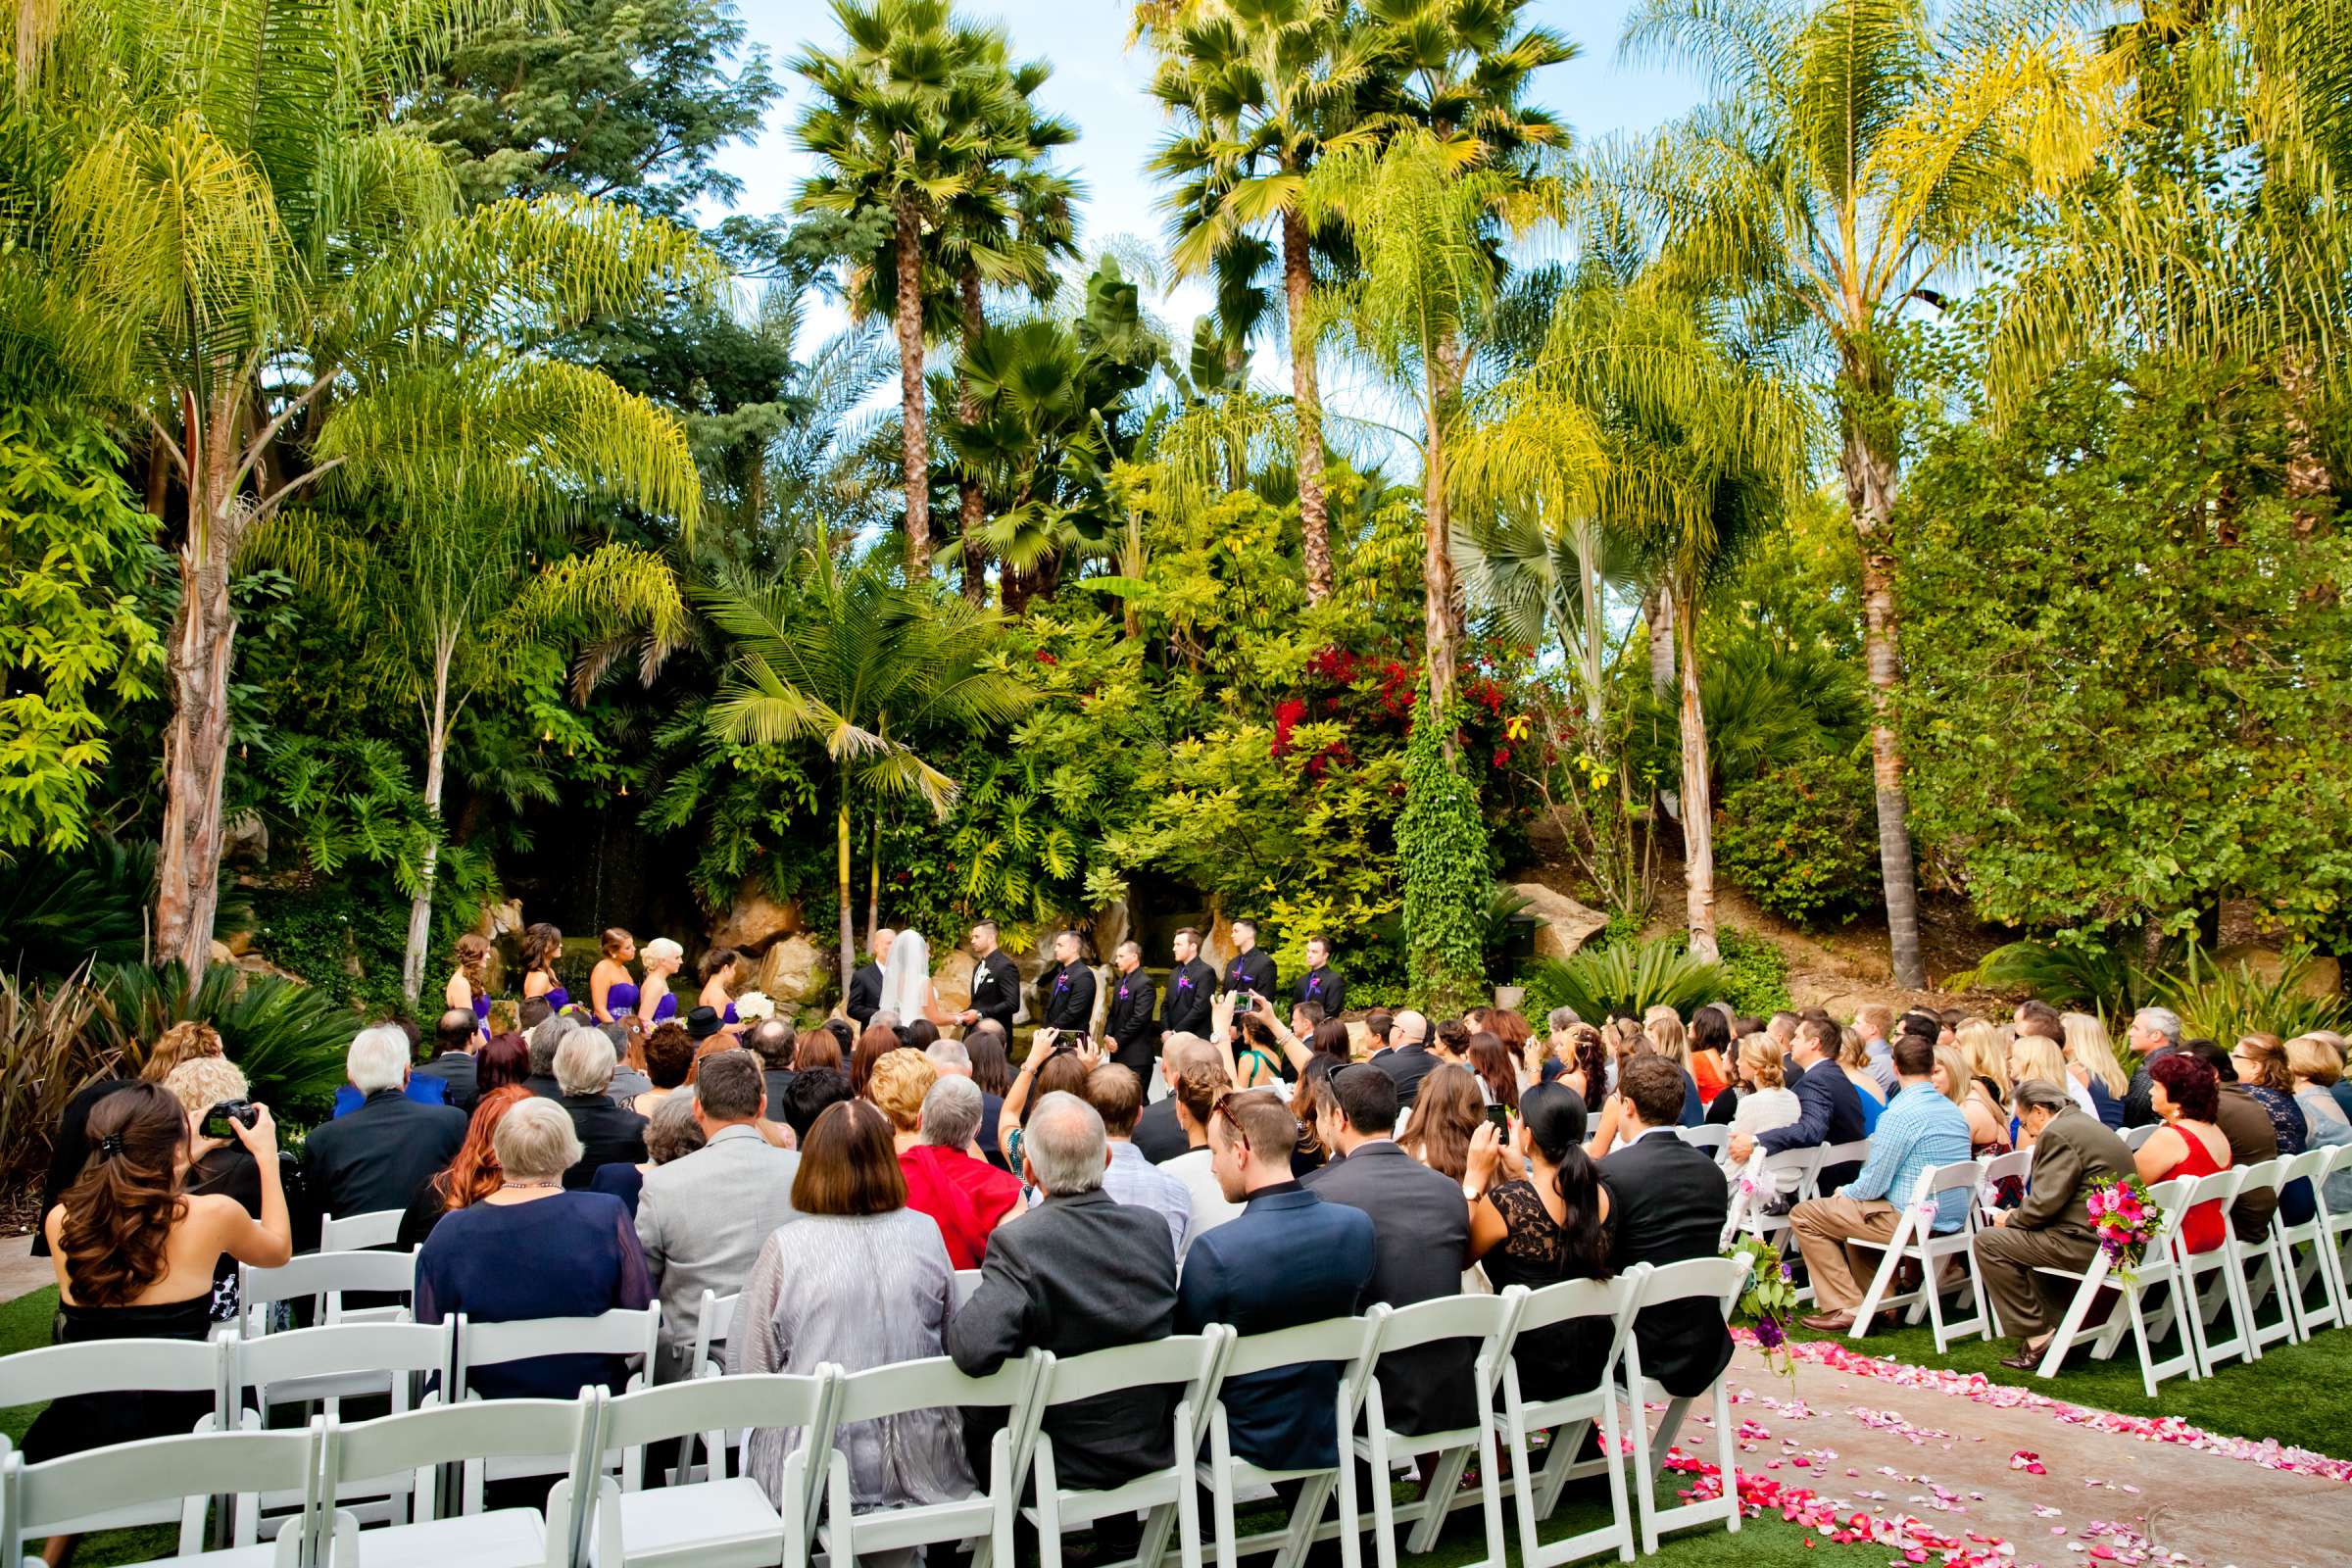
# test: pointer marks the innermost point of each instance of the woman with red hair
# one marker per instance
(2184, 1093)
(471, 1175)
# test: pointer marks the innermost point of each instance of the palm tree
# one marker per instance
(1259, 93)
(908, 116)
(1859, 158)
(865, 667)
(224, 233)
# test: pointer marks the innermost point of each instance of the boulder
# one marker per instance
(951, 980)
(497, 919)
(753, 920)
(220, 953)
(791, 972)
(1112, 926)
(240, 943)
(2321, 977)
(1563, 925)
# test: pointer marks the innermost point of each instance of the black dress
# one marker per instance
(1566, 1357)
(84, 1421)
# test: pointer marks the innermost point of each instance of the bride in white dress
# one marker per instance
(906, 981)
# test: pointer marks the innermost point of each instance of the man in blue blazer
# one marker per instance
(1287, 1258)
(1829, 1109)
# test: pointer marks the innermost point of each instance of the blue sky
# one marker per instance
(1099, 85)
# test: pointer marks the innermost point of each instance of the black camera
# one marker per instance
(218, 1120)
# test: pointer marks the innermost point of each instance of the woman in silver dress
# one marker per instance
(859, 1279)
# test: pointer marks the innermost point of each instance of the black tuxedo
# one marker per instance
(609, 1135)
(866, 994)
(1408, 1065)
(1128, 1022)
(1253, 971)
(997, 990)
(1158, 1134)
(1192, 991)
(1325, 987)
(1070, 994)
(1667, 1205)
(454, 1069)
(1421, 1244)
(375, 1158)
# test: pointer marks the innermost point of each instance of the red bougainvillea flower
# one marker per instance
(1287, 714)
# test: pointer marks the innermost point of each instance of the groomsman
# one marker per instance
(1192, 987)
(996, 983)
(1128, 1022)
(1068, 988)
(1251, 970)
(865, 981)
(1321, 983)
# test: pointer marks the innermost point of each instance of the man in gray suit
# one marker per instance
(2052, 1226)
(1421, 1241)
(703, 1219)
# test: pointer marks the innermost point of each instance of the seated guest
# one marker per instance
(1497, 1068)
(2153, 1032)
(1448, 1111)
(543, 1041)
(1195, 1097)
(1421, 1242)
(455, 1038)
(1987, 1122)
(1051, 1067)
(1853, 1059)
(1157, 1133)
(773, 1040)
(1117, 1096)
(1548, 1226)
(503, 1060)
(425, 1091)
(1409, 1058)
(532, 1249)
(1289, 1259)
(2184, 1092)
(471, 1175)
(221, 1165)
(878, 1041)
(2090, 1059)
(1759, 1098)
(2038, 1055)
(2253, 1138)
(1083, 1273)
(609, 1134)
(136, 1254)
(992, 1070)
(896, 1086)
(948, 1056)
(1828, 1110)
(1663, 1027)
(968, 1198)
(1710, 1036)
(377, 1156)
(1580, 1058)
(1667, 1203)
(859, 1279)
(811, 1091)
(2318, 1066)
(1920, 1130)
(1875, 1022)
(2260, 1060)
(670, 1133)
(704, 1215)
(2051, 1227)
(668, 1061)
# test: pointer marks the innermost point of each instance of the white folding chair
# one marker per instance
(2250, 1261)
(1191, 1363)
(1493, 1322)
(1722, 1281)
(634, 1333)
(318, 1366)
(2133, 1137)
(323, 1279)
(1711, 1139)
(967, 1280)
(2226, 1293)
(1757, 1190)
(2018, 1162)
(121, 1366)
(2158, 1269)
(1570, 1418)
(353, 1233)
(1346, 1341)
(984, 1518)
(721, 1522)
(2293, 1274)
(365, 1453)
(1915, 1241)
(1856, 1151)
(163, 1478)
(2339, 1232)
(707, 1360)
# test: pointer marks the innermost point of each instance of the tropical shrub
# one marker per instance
(1755, 973)
(61, 911)
(1801, 840)
(2082, 974)
(288, 1038)
(1442, 854)
(1632, 975)
(2225, 1002)
(46, 1054)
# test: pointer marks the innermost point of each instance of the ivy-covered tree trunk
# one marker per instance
(915, 435)
(1441, 852)
(1698, 804)
(1314, 515)
(1869, 470)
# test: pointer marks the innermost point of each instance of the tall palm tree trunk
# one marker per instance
(967, 408)
(1659, 614)
(1698, 806)
(436, 751)
(1314, 515)
(1870, 480)
(1588, 583)
(915, 435)
(1441, 646)
(841, 849)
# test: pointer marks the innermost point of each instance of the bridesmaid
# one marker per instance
(719, 981)
(542, 945)
(611, 970)
(468, 988)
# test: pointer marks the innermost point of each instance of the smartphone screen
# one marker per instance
(1500, 1116)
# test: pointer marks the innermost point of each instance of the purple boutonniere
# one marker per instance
(1184, 982)
(1061, 983)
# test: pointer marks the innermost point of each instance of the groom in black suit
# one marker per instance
(1667, 1204)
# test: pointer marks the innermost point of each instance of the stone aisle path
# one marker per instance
(2060, 1484)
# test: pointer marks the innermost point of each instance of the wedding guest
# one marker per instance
(2051, 1227)
(1537, 1229)
(504, 1062)
(1445, 1115)
(221, 1164)
(71, 1151)
(1116, 1096)
(968, 1198)
(814, 1089)
(1195, 1094)
(471, 1174)
(609, 1134)
(377, 1156)
(669, 1056)
(1668, 1201)
(2253, 1138)
(672, 1132)
(2090, 1057)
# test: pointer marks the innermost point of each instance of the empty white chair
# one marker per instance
(1346, 1341)
(2321, 1264)
(1710, 1139)
(2158, 1270)
(722, 1522)
(708, 1359)
(633, 1332)
(2250, 1261)
(1191, 1365)
(1609, 1306)
(322, 1365)
(986, 1516)
(967, 1280)
(1722, 1281)
(323, 1279)
(367, 1452)
(137, 1483)
(1493, 1321)
(193, 1367)
(354, 1232)
(1915, 1241)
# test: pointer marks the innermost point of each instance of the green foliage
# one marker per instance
(46, 1054)
(73, 545)
(2228, 1002)
(1442, 859)
(342, 935)
(1755, 973)
(2072, 971)
(2129, 656)
(58, 913)
(1800, 840)
(288, 1038)
(1632, 975)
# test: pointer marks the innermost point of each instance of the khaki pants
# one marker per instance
(2030, 1304)
(1825, 1226)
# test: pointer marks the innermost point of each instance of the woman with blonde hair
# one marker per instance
(1764, 1101)
(663, 960)
(2092, 1056)
(1987, 1122)
(1662, 1027)
(612, 970)
(2318, 1068)
(2038, 1057)
(1853, 1059)
(1987, 1055)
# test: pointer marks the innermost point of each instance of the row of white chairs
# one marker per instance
(415, 1477)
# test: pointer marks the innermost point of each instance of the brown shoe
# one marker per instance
(2028, 1355)
(1829, 1322)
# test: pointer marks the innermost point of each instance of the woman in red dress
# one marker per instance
(2185, 1092)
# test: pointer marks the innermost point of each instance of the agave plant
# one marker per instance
(46, 1054)
(288, 1038)
(1627, 975)
(2227, 1003)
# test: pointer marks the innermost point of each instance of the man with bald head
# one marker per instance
(865, 981)
(1408, 1060)
(453, 1040)
(1159, 1134)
